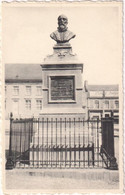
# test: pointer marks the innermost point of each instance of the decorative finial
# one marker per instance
(62, 34)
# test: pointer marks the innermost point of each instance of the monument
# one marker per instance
(62, 77)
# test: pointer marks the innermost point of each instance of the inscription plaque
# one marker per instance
(62, 88)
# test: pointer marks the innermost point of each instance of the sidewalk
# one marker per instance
(62, 179)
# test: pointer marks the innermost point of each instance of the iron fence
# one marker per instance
(57, 143)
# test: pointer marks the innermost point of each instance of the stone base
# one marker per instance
(63, 113)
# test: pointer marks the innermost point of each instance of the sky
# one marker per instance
(26, 30)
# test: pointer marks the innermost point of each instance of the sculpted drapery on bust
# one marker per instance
(62, 34)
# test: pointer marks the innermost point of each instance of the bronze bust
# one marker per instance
(62, 34)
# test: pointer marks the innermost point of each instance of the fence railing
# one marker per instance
(58, 143)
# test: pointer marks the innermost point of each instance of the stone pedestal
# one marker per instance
(62, 84)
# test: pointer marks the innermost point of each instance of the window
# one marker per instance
(28, 90)
(107, 104)
(15, 90)
(116, 104)
(39, 90)
(39, 104)
(91, 103)
(96, 104)
(107, 115)
(28, 104)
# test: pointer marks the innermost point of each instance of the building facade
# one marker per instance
(102, 101)
(23, 90)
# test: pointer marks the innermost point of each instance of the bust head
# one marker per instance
(62, 34)
(62, 23)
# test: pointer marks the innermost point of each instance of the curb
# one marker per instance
(85, 174)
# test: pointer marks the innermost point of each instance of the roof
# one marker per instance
(102, 87)
(23, 72)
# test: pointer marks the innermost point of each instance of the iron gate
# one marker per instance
(107, 148)
(56, 143)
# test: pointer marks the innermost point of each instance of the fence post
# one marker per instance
(10, 162)
(108, 142)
